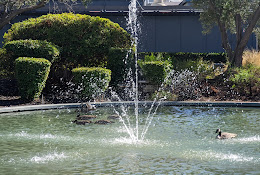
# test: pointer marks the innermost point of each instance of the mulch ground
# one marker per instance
(9, 96)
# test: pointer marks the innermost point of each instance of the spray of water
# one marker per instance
(173, 80)
(133, 27)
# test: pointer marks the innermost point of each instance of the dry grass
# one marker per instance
(252, 57)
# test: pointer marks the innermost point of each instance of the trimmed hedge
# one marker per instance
(92, 81)
(32, 48)
(184, 56)
(31, 74)
(84, 40)
(6, 66)
(214, 57)
(154, 71)
(119, 62)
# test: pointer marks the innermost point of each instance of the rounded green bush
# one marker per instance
(84, 40)
(31, 74)
(6, 66)
(154, 71)
(92, 81)
(119, 62)
(32, 48)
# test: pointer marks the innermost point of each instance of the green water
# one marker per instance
(180, 140)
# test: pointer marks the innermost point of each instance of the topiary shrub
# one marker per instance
(84, 40)
(6, 66)
(154, 71)
(32, 48)
(91, 81)
(119, 62)
(31, 74)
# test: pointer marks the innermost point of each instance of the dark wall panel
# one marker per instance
(147, 35)
(167, 32)
(172, 33)
(213, 42)
(192, 39)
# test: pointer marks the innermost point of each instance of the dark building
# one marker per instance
(165, 25)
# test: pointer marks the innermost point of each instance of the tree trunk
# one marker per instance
(242, 40)
(235, 58)
(223, 30)
(238, 57)
(225, 41)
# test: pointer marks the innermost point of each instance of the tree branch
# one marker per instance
(223, 31)
(251, 26)
(238, 21)
(244, 40)
(7, 17)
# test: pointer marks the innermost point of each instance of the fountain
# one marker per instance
(131, 90)
(181, 140)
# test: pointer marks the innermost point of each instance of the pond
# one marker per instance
(180, 140)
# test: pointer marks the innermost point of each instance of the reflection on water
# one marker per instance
(180, 140)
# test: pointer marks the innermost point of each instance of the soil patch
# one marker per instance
(215, 92)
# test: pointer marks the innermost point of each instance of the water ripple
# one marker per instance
(48, 157)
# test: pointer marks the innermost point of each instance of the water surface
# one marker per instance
(180, 140)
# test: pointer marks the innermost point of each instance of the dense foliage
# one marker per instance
(31, 74)
(32, 48)
(12, 8)
(183, 56)
(155, 71)
(84, 40)
(6, 64)
(200, 63)
(119, 62)
(91, 82)
(246, 80)
(231, 16)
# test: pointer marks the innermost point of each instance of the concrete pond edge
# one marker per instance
(107, 104)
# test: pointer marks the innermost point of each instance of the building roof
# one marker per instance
(120, 7)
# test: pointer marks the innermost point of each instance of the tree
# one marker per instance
(231, 16)
(9, 9)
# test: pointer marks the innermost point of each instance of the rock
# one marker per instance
(86, 117)
(103, 122)
(82, 122)
(114, 117)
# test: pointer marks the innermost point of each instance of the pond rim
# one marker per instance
(129, 103)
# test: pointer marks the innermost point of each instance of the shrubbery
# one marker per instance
(91, 81)
(246, 80)
(32, 48)
(185, 61)
(31, 74)
(6, 65)
(25, 48)
(84, 40)
(119, 61)
(155, 71)
(185, 56)
(213, 57)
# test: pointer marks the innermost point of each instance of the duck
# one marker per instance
(113, 117)
(85, 117)
(103, 122)
(224, 135)
(82, 122)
